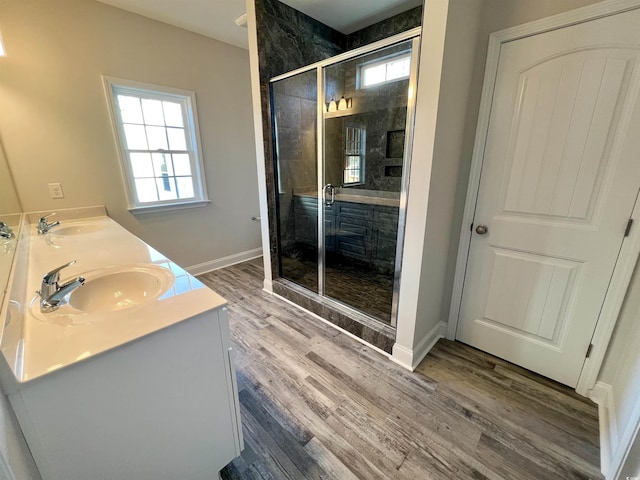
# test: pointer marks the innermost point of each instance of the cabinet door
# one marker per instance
(152, 409)
(385, 234)
(330, 229)
(306, 221)
(353, 230)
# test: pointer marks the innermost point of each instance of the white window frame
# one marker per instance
(187, 99)
(381, 61)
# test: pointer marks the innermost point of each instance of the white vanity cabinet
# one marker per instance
(163, 406)
(136, 382)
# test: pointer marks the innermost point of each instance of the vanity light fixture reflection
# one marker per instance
(3, 52)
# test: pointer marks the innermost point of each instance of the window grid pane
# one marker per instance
(130, 110)
(155, 139)
(152, 112)
(396, 68)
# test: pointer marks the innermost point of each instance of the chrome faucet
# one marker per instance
(43, 226)
(52, 293)
(5, 231)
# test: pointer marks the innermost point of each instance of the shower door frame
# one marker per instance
(413, 35)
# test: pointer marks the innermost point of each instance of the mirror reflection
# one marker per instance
(9, 221)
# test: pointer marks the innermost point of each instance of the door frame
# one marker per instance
(630, 249)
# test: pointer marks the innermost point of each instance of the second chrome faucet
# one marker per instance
(43, 226)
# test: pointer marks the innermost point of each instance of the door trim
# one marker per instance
(631, 245)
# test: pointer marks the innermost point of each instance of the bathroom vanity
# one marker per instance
(358, 226)
(131, 376)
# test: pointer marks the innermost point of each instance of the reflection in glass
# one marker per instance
(183, 281)
(361, 226)
(295, 101)
(362, 161)
(167, 188)
(162, 165)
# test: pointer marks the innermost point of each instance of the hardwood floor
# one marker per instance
(316, 404)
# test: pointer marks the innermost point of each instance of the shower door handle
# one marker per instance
(331, 189)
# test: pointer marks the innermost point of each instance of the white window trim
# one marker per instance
(380, 61)
(199, 179)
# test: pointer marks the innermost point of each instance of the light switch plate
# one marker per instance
(55, 190)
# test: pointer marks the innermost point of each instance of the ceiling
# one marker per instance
(216, 18)
(213, 18)
(347, 16)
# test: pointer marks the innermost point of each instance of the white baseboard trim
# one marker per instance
(403, 356)
(227, 261)
(410, 359)
(602, 395)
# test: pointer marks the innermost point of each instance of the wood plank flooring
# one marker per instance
(316, 404)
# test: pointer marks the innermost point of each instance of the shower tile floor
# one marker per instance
(368, 291)
(316, 404)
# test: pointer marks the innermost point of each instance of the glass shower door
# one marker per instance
(366, 102)
(294, 114)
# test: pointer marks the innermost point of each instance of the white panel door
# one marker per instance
(560, 177)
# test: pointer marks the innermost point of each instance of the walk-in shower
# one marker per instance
(342, 133)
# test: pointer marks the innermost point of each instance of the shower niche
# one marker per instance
(341, 132)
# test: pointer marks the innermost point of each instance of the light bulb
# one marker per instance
(342, 104)
(332, 106)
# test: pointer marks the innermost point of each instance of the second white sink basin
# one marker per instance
(76, 229)
(111, 290)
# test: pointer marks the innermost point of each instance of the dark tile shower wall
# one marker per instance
(400, 23)
(287, 40)
(295, 104)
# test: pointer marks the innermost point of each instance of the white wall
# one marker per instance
(620, 379)
(443, 86)
(55, 126)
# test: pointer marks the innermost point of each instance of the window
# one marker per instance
(390, 69)
(156, 129)
(354, 155)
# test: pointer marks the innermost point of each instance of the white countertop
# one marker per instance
(51, 341)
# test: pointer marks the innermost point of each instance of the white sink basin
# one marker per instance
(116, 289)
(76, 229)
